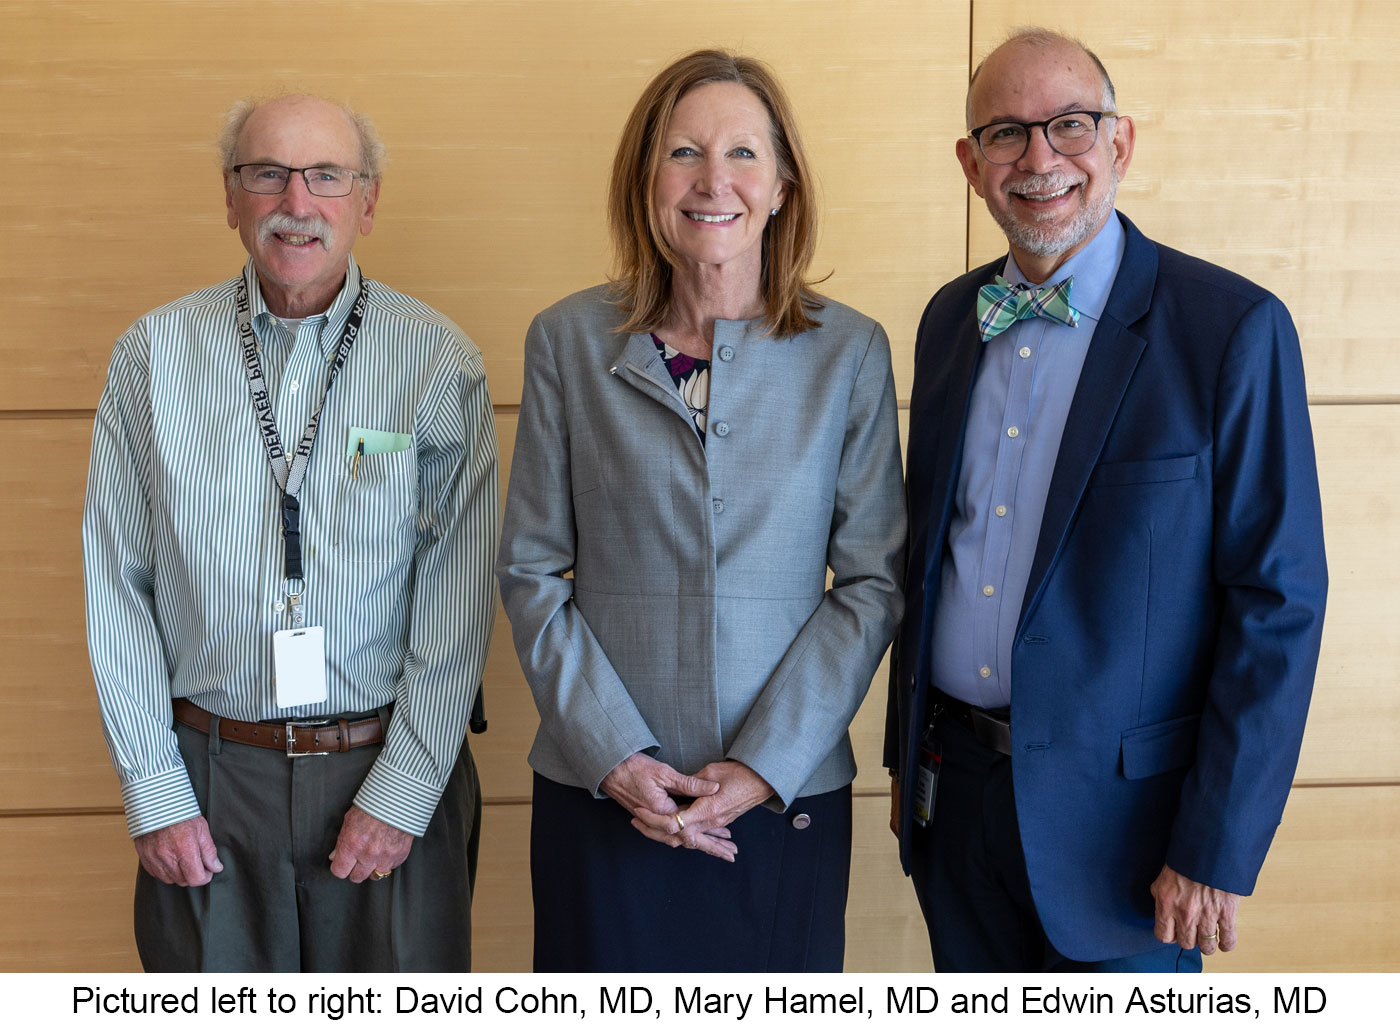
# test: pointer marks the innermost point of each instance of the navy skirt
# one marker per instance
(608, 900)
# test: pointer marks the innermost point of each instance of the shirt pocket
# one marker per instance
(376, 509)
(1155, 470)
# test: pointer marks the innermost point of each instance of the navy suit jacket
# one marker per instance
(1166, 648)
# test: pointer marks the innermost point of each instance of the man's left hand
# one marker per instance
(1193, 914)
(367, 846)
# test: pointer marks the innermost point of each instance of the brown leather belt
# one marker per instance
(296, 737)
(991, 727)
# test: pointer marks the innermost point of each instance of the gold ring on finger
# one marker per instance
(381, 874)
(680, 823)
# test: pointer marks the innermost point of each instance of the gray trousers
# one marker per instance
(276, 907)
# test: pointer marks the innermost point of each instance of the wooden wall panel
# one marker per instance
(43, 644)
(501, 117)
(1258, 127)
(66, 884)
(1354, 721)
(1328, 899)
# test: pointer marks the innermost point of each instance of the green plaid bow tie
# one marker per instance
(1002, 305)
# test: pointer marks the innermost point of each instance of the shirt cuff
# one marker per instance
(158, 801)
(398, 799)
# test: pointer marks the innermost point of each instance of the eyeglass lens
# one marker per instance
(322, 182)
(1070, 134)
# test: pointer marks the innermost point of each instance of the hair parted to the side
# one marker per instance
(373, 153)
(643, 259)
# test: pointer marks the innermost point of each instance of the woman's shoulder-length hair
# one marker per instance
(642, 280)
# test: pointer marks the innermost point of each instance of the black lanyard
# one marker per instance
(290, 472)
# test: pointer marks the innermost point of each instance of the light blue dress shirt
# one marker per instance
(1024, 387)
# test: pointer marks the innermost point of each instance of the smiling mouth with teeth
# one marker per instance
(1044, 196)
(296, 240)
(696, 216)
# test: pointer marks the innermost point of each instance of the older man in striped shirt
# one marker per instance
(290, 525)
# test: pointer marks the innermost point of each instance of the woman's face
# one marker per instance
(718, 178)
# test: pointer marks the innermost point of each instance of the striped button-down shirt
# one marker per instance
(183, 551)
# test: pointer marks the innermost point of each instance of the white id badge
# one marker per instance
(926, 791)
(299, 658)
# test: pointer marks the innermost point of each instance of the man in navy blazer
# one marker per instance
(1116, 576)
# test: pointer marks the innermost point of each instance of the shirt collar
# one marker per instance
(1094, 268)
(335, 315)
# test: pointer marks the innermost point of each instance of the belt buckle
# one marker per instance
(292, 737)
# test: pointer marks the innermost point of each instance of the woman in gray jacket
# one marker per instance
(699, 441)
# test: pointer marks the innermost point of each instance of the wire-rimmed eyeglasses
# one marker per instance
(321, 182)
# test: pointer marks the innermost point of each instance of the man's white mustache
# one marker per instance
(279, 223)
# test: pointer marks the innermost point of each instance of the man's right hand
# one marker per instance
(181, 854)
(894, 806)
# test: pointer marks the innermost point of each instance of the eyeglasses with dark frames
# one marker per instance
(321, 181)
(1070, 134)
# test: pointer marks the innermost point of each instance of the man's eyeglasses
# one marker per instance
(1070, 134)
(321, 182)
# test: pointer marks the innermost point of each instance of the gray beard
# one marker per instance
(1045, 241)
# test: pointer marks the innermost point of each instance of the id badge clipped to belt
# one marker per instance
(930, 764)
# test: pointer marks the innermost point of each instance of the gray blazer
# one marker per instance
(672, 598)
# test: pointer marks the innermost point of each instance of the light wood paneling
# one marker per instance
(1328, 899)
(66, 885)
(501, 117)
(1257, 148)
(1354, 721)
(43, 644)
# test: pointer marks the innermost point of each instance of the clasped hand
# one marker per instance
(722, 791)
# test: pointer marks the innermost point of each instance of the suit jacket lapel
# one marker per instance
(1113, 356)
(942, 407)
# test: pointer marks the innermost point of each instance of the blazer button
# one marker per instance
(801, 821)
(721, 429)
(726, 353)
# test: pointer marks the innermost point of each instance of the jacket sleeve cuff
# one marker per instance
(158, 801)
(398, 799)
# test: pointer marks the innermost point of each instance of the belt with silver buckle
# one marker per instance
(295, 737)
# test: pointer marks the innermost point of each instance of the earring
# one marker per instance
(773, 213)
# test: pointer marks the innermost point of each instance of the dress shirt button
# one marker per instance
(721, 429)
(294, 384)
(801, 821)
(984, 672)
(279, 606)
(718, 505)
(1013, 432)
(1025, 352)
(1001, 510)
(726, 353)
(989, 590)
